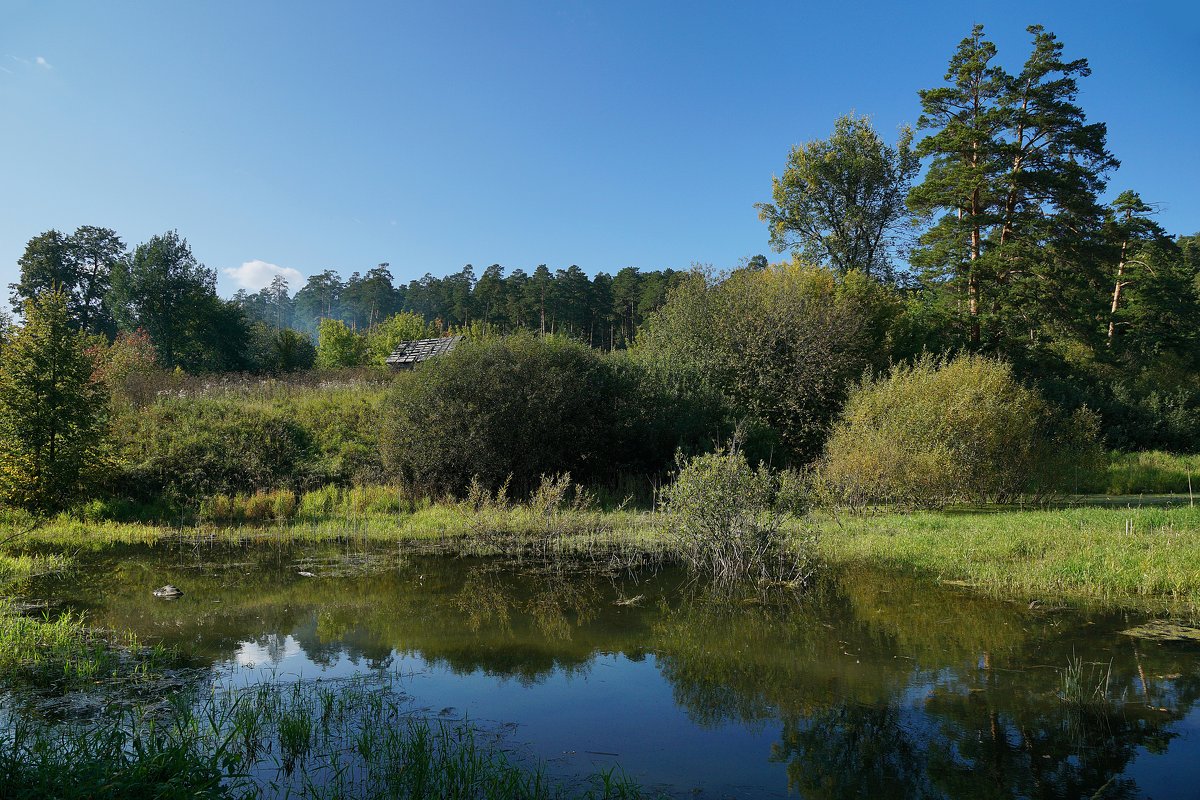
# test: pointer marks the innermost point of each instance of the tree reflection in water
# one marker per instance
(879, 686)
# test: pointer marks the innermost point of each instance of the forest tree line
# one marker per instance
(161, 288)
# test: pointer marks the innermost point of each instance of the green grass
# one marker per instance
(1151, 472)
(1107, 554)
(60, 654)
(17, 568)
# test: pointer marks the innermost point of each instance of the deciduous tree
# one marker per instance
(841, 200)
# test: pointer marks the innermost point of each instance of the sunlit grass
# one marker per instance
(1093, 553)
(1152, 472)
(1096, 553)
(62, 653)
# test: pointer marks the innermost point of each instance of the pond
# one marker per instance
(868, 685)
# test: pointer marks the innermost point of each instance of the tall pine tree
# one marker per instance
(1015, 172)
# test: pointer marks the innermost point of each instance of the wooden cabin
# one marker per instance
(409, 354)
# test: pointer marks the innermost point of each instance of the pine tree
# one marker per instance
(52, 410)
(1016, 171)
(965, 163)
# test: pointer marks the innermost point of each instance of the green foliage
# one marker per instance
(80, 266)
(781, 345)
(339, 346)
(1152, 472)
(840, 201)
(518, 407)
(129, 367)
(196, 440)
(187, 451)
(277, 351)
(726, 519)
(949, 431)
(1013, 176)
(53, 413)
(162, 289)
(382, 339)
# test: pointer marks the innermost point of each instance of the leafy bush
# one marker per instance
(339, 345)
(192, 449)
(726, 517)
(518, 407)
(782, 345)
(239, 437)
(949, 431)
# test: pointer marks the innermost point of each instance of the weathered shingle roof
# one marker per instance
(421, 349)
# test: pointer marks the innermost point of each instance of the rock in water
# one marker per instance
(168, 592)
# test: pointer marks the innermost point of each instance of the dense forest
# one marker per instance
(982, 231)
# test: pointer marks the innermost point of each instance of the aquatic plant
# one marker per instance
(725, 520)
(55, 655)
(333, 739)
(1086, 686)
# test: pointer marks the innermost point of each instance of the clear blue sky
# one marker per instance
(435, 134)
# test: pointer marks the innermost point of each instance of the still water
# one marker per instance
(869, 685)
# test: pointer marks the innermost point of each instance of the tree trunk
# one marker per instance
(1116, 297)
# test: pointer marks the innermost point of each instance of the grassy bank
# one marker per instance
(1151, 472)
(1112, 555)
(1107, 554)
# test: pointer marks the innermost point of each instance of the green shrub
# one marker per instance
(339, 345)
(725, 518)
(782, 346)
(517, 407)
(191, 448)
(951, 431)
(243, 436)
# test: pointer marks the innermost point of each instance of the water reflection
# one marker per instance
(869, 685)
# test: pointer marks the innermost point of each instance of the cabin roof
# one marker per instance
(420, 350)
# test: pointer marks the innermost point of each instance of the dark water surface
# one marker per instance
(868, 686)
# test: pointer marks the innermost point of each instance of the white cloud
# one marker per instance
(39, 61)
(254, 275)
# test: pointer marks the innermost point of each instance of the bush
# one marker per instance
(782, 346)
(191, 449)
(338, 345)
(238, 436)
(518, 407)
(943, 431)
(726, 518)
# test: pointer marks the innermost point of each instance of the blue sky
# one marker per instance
(435, 134)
